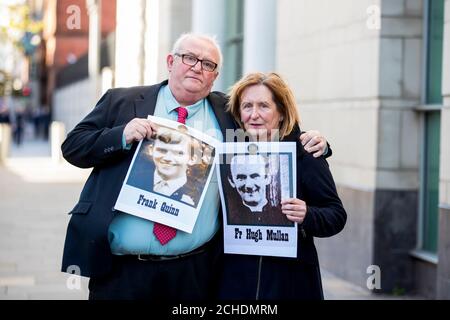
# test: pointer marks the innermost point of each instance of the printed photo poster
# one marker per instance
(253, 178)
(168, 176)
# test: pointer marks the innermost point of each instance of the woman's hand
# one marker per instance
(294, 209)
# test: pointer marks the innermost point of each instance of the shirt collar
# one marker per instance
(173, 185)
(259, 208)
(171, 103)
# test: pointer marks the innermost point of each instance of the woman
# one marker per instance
(265, 107)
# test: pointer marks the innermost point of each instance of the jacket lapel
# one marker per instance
(146, 103)
(218, 102)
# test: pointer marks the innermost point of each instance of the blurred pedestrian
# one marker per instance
(19, 123)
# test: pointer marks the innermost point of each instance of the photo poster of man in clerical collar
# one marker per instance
(167, 178)
(253, 179)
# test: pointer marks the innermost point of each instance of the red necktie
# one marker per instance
(162, 232)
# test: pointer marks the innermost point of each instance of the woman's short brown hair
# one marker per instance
(281, 95)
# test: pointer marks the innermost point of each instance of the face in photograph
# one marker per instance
(171, 154)
(250, 178)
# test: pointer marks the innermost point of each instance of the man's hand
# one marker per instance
(138, 129)
(294, 209)
(313, 141)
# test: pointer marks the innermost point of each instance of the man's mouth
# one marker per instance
(194, 78)
(249, 192)
(168, 165)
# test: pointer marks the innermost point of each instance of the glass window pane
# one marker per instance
(434, 51)
(232, 70)
(431, 181)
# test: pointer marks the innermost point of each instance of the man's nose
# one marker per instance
(168, 157)
(249, 186)
(197, 67)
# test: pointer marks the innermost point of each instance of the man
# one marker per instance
(250, 176)
(122, 254)
(174, 154)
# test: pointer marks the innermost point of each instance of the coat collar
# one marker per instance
(219, 103)
(145, 104)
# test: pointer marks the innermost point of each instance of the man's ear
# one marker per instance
(231, 182)
(193, 160)
(169, 61)
(150, 150)
(217, 74)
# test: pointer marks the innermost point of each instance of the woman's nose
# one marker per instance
(255, 113)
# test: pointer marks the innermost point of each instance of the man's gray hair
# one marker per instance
(210, 38)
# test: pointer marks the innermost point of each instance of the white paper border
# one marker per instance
(186, 216)
(264, 247)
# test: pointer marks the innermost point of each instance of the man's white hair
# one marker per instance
(210, 38)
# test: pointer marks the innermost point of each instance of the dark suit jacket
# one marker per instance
(270, 216)
(97, 142)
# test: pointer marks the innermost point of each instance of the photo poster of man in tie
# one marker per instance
(253, 179)
(167, 178)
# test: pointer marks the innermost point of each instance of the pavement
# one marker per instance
(36, 194)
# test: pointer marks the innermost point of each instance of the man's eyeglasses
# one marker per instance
(191, 60)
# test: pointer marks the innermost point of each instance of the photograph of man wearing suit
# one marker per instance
(165, 165)
(121, 253)
(250, 176)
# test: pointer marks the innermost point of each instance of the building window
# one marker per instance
(234, 42)
(431, 181)
(432, 118)
(435, 30)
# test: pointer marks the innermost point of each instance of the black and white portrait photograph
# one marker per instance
(168, 174)
(172, 164)
(255, 190)
(254, 178)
